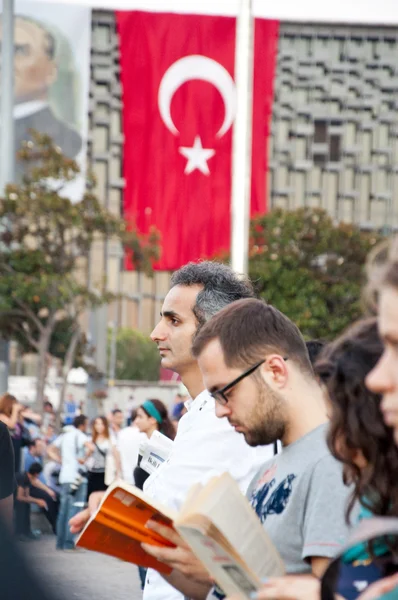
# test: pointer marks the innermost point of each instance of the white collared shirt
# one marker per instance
(204, 446)
(71, 446)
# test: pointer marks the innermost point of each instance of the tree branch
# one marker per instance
(31, 315)
(27, 336)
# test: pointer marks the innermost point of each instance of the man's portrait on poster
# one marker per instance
(45, 96)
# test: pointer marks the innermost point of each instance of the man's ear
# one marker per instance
(275, 369)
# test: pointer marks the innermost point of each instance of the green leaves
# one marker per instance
(137, 356)
(310, 268)
(45, 242)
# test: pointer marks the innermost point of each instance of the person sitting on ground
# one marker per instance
(34, 452)
(360, 440)
(31, 491)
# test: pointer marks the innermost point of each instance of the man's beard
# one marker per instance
(267, 422)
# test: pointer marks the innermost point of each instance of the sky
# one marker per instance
(338, 11)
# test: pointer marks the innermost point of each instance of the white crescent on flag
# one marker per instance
(200, 67)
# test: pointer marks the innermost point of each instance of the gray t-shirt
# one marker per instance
(300, 498)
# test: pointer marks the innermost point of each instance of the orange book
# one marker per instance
(216, 521)
(118, 527)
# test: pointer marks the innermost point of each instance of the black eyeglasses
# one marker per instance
(219, 395)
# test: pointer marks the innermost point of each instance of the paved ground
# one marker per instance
(81, 575)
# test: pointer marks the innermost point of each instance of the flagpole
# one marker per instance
(241, 142)
(7, 142)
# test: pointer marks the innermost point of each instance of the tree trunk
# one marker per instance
(44, 345)
(67, 366)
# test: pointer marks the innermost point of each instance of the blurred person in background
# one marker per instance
(314, 348)
(360, 440)
(69, 451)
(152, 416)
(32, 423)
(12, 414)
(29, 492)
(48, 416)
(127, 449)
(130, 405)
(70, 410)
(179, 408)
(51, 472)
(97, 450)
(49, 434)
(34, 452)
(116, 424)
(7, 477)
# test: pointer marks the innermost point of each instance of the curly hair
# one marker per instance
(221, 286)
(357, 426)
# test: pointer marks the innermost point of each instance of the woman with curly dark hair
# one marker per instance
(359, 438)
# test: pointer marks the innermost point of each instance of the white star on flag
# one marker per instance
(197, 157)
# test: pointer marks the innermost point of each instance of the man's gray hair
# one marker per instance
(221, 286)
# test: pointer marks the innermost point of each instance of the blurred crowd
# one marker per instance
(59, 465)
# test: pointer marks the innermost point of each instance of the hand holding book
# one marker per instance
(216, 532)
(180, 557)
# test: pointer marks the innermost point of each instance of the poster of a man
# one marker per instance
(51, 77)
(35, 72)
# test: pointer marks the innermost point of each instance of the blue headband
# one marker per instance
(152, 411)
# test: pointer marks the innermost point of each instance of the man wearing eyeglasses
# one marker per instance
(204, 445)
(256, 366)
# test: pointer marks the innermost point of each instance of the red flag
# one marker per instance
(179, 105)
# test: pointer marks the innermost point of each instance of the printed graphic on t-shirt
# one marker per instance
(270, 498)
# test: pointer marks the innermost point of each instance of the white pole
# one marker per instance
(7, 143)
(241, 143)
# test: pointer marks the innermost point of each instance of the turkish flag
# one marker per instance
(178, 109)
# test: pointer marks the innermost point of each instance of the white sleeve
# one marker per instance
(81, 439)
(58, 442)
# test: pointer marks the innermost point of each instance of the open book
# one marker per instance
(216, 521)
